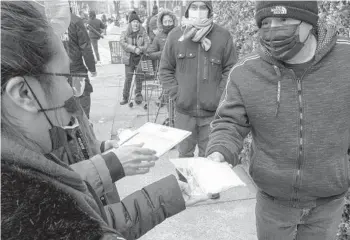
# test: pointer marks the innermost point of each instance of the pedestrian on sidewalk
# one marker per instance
(166, 21)
(149, 27)
(78, 46)
(134, 41)
(95, 27)
(194, 67)
(293, 94)
(38, 189)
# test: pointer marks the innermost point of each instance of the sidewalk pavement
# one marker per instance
(231, 217)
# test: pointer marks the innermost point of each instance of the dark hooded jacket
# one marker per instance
(300, 124)
(97, 24)
(43, 198)
(156, 48)
(78, 46)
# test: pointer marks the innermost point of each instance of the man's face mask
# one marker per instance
(58, 134)
(282, 42)
(198, 13)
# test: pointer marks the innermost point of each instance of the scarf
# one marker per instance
(197, 31)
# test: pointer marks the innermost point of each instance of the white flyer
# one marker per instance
(206, 176)
(156, 137)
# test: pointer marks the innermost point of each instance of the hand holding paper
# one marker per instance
(135, 159)
(188, 196)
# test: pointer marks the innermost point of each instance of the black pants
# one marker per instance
(129, 69)
(94, 43)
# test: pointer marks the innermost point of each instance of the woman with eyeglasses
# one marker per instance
(41, 196)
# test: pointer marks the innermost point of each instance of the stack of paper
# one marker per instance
(206, 176)
(156, 137)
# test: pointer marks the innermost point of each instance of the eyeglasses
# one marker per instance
(76, 80)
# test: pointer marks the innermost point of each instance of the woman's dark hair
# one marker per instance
(25, 40)
(26, 49)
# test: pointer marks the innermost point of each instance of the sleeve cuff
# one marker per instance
(167, 194)
(114, 166)
(229, 157)
(102, 146)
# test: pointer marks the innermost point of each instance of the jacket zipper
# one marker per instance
(198, 77)
(301, 131)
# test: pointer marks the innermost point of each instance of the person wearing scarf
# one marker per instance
(194, 67)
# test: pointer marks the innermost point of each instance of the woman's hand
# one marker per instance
(187, 195)
(135, 159)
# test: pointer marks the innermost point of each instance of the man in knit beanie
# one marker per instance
(194, 67)
(293, 95)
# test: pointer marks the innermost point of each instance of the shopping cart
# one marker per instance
(149, 77)
(155, 97)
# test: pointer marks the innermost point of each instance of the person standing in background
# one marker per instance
(150, 33)
(78, 46)
(97, 25)
(194, 66)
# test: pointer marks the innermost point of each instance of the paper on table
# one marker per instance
(206, 176)
(157, 137)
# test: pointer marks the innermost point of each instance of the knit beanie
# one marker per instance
(306, 11)
(153, 22)
(207, 2)
(133, 16)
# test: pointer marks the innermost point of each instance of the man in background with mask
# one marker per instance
(294, 96)
(194, 67)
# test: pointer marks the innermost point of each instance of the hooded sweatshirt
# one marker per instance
(156, 48)
(300, 125)
(45, 199)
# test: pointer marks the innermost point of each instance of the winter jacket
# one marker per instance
(98, 25)
(194, 78)
(158, 43)
(78, 46)
(44, 198)
(84, 151)
(128, 47)
(300, 126)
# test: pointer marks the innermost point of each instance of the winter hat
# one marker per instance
(133, 16)
(306, 11)
(153, 22)
(207, 2)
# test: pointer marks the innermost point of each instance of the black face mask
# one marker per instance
(283, 43)
(167, 29)
(58, 134)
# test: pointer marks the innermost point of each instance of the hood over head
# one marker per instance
(162, 14)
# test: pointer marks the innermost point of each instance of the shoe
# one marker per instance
(138, 99)
(215, 196)
(125, 101)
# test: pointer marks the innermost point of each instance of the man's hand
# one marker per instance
(111, 144)
(187, 195)
(135, 159)
(93, 74)
(216, 157)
